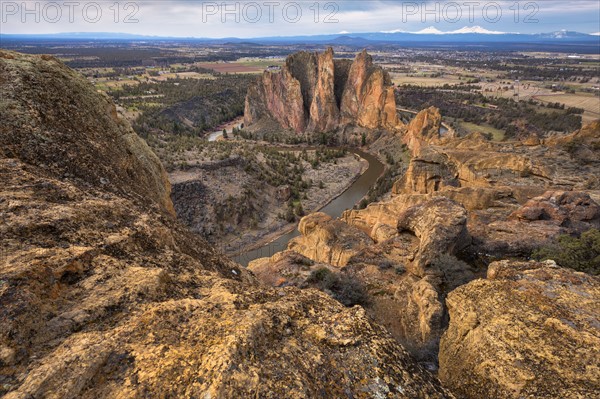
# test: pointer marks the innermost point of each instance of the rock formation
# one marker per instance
(326, 240)
(314, 92)
(528, 330)
(406, 261)
(104, 294)
(423, 129)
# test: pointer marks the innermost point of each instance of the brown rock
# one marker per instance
(44, 129)
(423, 129)
(528, 330)
(278, 95)
(326, 240)
(561, 208)
(441, 226)
(324, 112)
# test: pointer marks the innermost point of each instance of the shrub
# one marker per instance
(581, 254)
(344, 287)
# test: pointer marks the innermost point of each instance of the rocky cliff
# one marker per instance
(104, 294)
(317, 93)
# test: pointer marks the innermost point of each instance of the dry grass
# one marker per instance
(589, 102)
(228, 67)
(402, 79)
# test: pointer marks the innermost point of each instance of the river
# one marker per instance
(335, 208)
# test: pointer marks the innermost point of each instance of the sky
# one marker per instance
(257, 18)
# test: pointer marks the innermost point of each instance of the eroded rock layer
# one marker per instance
(104, 294)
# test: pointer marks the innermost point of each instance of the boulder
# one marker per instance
(529, 330)
(326, 240)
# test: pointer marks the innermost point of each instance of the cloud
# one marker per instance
(255, 18)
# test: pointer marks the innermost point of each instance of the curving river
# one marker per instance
(335, 208)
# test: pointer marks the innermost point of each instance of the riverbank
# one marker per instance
(346, 200)
(336, 190)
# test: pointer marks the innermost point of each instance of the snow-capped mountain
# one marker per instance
(394, 31)
(476, 29)
(429, 31)
(464, 30)
(563, 34)
(595, 34)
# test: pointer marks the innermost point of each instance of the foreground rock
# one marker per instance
(313, 92)
(528, 330)
(103, 294)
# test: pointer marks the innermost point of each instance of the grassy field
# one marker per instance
(183, 75)
(498, 135)
(243, 65)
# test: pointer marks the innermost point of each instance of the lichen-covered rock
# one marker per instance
(104, 294)
(43, 125)
(528, 330)
(406, 274)
(313, 92)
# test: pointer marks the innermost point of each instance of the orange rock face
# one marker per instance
(424, 128)
(313, 92)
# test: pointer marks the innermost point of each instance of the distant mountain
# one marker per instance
(564, 34)
(466, 35)
(429, 31)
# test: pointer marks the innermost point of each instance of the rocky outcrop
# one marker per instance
(326, 240)
(324, 109)
(441, 227)
(280, 96)
(45, 129)
(422, 130)
(316, 93)
(567, 209)
(427, 173)
(104, 294)
(528, 330)
(406, 274)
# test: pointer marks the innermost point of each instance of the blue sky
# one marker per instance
(283, 17)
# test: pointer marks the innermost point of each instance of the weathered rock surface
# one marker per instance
(104, 294)
(326, 240)
(313, 92)
(563, 208)
(528, 330)
(39, 127)
(441, 227)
